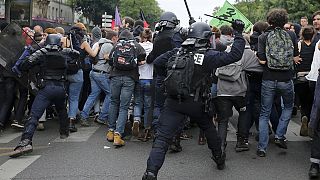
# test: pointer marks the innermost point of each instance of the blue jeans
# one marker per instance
(75, 86)
(268, 91)
(122, 88)
(142, 99)
(99, 82)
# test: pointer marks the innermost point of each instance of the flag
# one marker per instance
(117, 19)
(229, 12)
(143, 18)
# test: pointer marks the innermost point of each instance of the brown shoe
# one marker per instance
(135, 128)
(110, 136)
(24, 147)
(304, 126)
(118, 142)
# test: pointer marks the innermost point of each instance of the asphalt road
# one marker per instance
(87, 155)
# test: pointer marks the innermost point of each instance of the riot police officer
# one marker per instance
(195, 103)
(167, 38)
(52, 60)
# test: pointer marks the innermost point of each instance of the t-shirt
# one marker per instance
(102, 64)
(306, 54)
(146, 70)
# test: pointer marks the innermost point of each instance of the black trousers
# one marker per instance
(8, 95)
(305, 95)
(172, 117)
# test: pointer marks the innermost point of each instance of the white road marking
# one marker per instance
(5, 138)
(12, 167)
(82, 135)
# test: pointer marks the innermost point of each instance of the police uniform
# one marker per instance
(51, 83)
(194, 106)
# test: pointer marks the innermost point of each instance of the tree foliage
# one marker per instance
(93, 9)
(131, 8)
(256, 10)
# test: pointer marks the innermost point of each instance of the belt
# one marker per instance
(98, 71)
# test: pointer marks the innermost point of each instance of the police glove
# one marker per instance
(15, 70)
(238, 25)
(191, 20)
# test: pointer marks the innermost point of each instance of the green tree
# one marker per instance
(131, 8)
(93, 9)
(256, 10)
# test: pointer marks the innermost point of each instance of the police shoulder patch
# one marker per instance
(198, 58)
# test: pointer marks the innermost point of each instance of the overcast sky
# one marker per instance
(197, 8)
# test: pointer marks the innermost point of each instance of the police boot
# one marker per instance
(72, 126)
(242, 144)
(175, 147)
(220, 160)
(149, 176)
(314, 171)
(24, 147)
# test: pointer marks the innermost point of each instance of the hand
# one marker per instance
(238, 25)
(297, 60)
(16, 70)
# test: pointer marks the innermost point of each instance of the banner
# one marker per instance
(229, 12)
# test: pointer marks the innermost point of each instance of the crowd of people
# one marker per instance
(135, 75)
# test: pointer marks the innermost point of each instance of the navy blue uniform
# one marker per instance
(52, 90)
(174, 112)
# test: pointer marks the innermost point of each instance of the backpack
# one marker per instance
(279, 50)
(124, 55)
(180, 69)
(230, 72)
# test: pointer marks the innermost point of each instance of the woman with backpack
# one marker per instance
(76, 40)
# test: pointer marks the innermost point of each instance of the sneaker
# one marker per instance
(117, 141)
(281, 143)
(185, 136)
(261, 153)
(220, 161)
(64, 136)
(40, 126)
(24, 147)
(84, 122)
(314, 171)
(149, 176)
(101, 121)
(16, 125)
(242, 144)
(304, 126)
(110, 136)
(72, 126)
(135, 128)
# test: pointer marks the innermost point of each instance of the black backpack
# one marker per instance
(180, 69)
(124, 55)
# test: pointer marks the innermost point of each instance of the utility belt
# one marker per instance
(51, 80)
(98, 71)
(300, 77)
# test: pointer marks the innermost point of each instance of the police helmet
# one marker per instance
(199, 30)
(53, 39)
(168, 19)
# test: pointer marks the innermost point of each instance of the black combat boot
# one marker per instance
(314, 171)
(72, 126)
(242, 144)
(149, 176)
(220, 160)
(175, 147)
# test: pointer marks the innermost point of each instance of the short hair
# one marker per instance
(260, 26)
(226, 30)
(109, 34)
(277, 17)
(60, 30)
(38, 28)
(50, 31)
(304, 17)
(216, 31)
(315, 14)
(308, 32)
(129, 20)
(146, 33)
